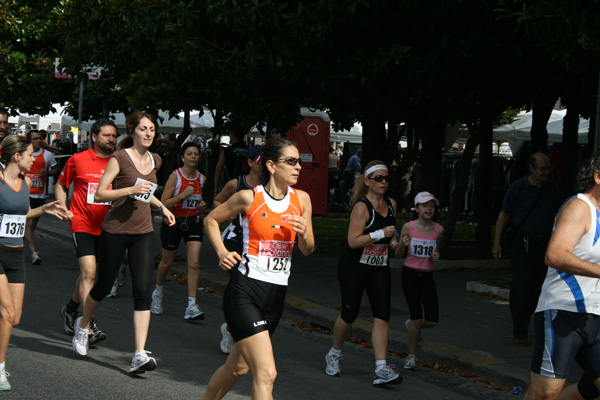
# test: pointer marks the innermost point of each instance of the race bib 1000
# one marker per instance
(275, 256)
(144, 197)
(375, 254)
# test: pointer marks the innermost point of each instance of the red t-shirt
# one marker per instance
(85, 169)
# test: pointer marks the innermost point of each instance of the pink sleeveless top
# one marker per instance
(421, 247)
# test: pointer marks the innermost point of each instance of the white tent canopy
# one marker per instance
(519, 130)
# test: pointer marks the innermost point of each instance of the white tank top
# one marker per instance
(576, 293)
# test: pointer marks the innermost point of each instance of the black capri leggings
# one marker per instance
(141, 265)
(421, 294)
(354, 279)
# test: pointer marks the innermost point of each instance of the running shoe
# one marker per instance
(4, 385)
(35, 258)
(113, 291)
(68, 319)
(80, 339)
(420, 341)
(156, 306)
(96, 335)
(193, 312)
(410, 363)
(141, 363)
(227, 341)
(333, 365)
(386, 375)
(121, 278)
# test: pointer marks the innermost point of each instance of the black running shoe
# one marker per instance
(96, 335)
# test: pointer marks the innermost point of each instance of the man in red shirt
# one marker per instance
(44, 165)
(84, 170)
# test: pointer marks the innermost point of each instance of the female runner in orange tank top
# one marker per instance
(254, 352)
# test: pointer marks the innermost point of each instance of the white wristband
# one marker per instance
(377, 235)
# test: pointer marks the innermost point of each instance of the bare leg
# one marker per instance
(87, 266)
(89, 310)
(141, 322)
(340, 331)
(193, 261)
(257, 352)
(11, 308)
(543, 388)
(29, 237)
(168, 256)
(379, 338)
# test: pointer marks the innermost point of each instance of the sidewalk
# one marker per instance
(474, 333)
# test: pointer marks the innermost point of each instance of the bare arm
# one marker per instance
(112, 170)
(500, 223)
(436, 254)
(236, 204)
(60, 193)
(226, 193)
(404, 239)
(356, 227)
(302, 224)
(167, 197)
(572, 223)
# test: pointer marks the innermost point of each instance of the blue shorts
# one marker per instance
(562, 337)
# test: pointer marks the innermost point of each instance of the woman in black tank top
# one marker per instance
(364, 266)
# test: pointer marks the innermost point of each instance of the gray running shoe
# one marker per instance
(113, 291)
(96, 335)
(156, 306)
(4, 385)
(333, 365)
(69, 320)
(193, 313)
(410, 364)
(386, 375)
(141, 363)
(80, 339)
(227, 341)
(121, 278)
(35, 258)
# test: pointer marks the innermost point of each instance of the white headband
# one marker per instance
(374, 168)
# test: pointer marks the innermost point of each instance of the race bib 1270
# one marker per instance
(275, 256)
(192, 202)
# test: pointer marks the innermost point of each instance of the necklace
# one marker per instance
(593, 200)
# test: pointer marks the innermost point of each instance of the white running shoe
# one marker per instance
(333, 365)
(80, 339)
(4, 385)
(156, 306)
(410, 363)
(193, 312)
(386, 375)
(141, 363)
(227, 341)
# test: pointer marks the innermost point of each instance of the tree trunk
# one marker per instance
(542, 109)
(431, 134)
(483, 209)
(374, 141)
(458, 194)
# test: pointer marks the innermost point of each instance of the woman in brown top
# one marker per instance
(128, 227)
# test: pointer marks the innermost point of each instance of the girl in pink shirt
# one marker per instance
(422, 237)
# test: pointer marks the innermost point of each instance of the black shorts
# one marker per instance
(34, 202)
(12, 264)
(420, 294)
(252, 306)
(563, 336)
(86, 244)
(170, 236)
(356, 278)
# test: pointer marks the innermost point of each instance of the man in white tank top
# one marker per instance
(567, 318)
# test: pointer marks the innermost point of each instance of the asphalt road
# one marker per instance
(43, 364)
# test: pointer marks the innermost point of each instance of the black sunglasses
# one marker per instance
(381, 178)
(290, 160)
